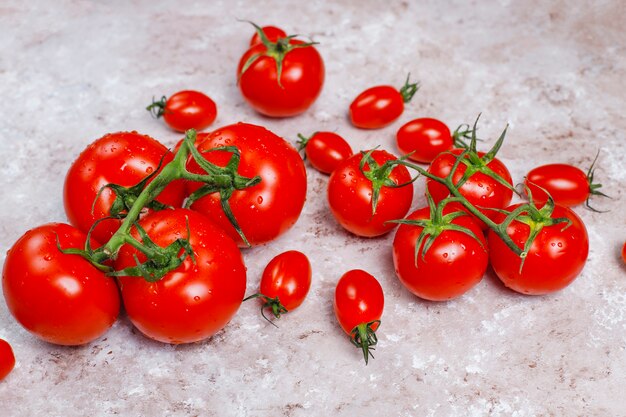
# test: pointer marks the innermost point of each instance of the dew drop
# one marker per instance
(259, 200)
(149, 170)
(445, 255)
(196, 298)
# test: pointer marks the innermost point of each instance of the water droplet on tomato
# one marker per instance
(445, 255)
(196, 298)
(259, 200)
(149, 170)
(47, 257)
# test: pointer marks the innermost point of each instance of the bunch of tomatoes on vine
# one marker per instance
(160, 231)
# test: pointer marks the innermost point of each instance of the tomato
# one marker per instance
(556, 257)
(7, 359)
(123, 158)
(60, 298)
(268, 209)
(567, 185)
(272, 33)
(480, 189)
(200, 296)
(424, 139)
(453, 264)
(358, 305)
(185, 110)
(285, 282)
(281, 78)
(381, 105)
(350, 195)
(624, 253)
(325, 150)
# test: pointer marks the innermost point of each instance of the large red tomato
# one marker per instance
(267, 209)
(555, 258)
(123, 158)
(200, 296)
(60, 298)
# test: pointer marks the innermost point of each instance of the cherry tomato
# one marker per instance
(624, 253)
(7, 359)
(60, 298)
(350, 195)
(480, 189)
(200, 296)
(272, 33)
(424, 139)
(285, 282)
(281, 78)
(185, 110)
(325, 150)
(453, 264)
(379, 106)
(358, 305)
(568, 185)
(263, 211)
(556, 257)
(123, 158)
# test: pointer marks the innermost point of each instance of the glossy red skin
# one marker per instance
(453, 265)
(358, 299)
(424, 139)
(624, 253)
(376, 107)
(189, 109)
(326, 150)
(302, 80)
(268, 209)
(288, 277)
(123, 158)
(272, 33)
(60, 298)
(480, 190)
(554, 260)
(194, 301)
(350, 197)
(7, 359)
(567, 184)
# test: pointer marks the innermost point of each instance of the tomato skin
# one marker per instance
(453, 265)
(326, 150)
(272, 33)
(350, 196)
(301, 81)
(271, 207)
(624, 253)
(189, 109)
(424, 138)
(554, 260)
(376, 107)
(358, 299)
(7, 359)
(480, 189)
(567, 184)
(123, 158)
(288, 277)
(60, 298)
(195, 300)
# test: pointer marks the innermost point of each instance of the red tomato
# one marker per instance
(379, 106)
(281, 79)
(453, 264)
(123, 158)
(7, 359)
(481, 190)
(624, 253)
(60, 298)
(424, 139)
(200, 296)
(272, 33)
(268, 209)
(185, 110)
(556, 257)
(350, 196)
(325, 150)
(358, 305)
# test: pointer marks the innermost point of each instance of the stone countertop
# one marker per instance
(73, 70)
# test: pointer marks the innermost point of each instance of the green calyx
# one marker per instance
(593, 187)
(364, 337)
(272, 304)
(408, 90)
(303, 141)
(157, 107)
(275, 50)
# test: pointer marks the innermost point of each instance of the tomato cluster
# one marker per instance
(160, 232)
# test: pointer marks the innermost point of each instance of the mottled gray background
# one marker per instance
(71, 71)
